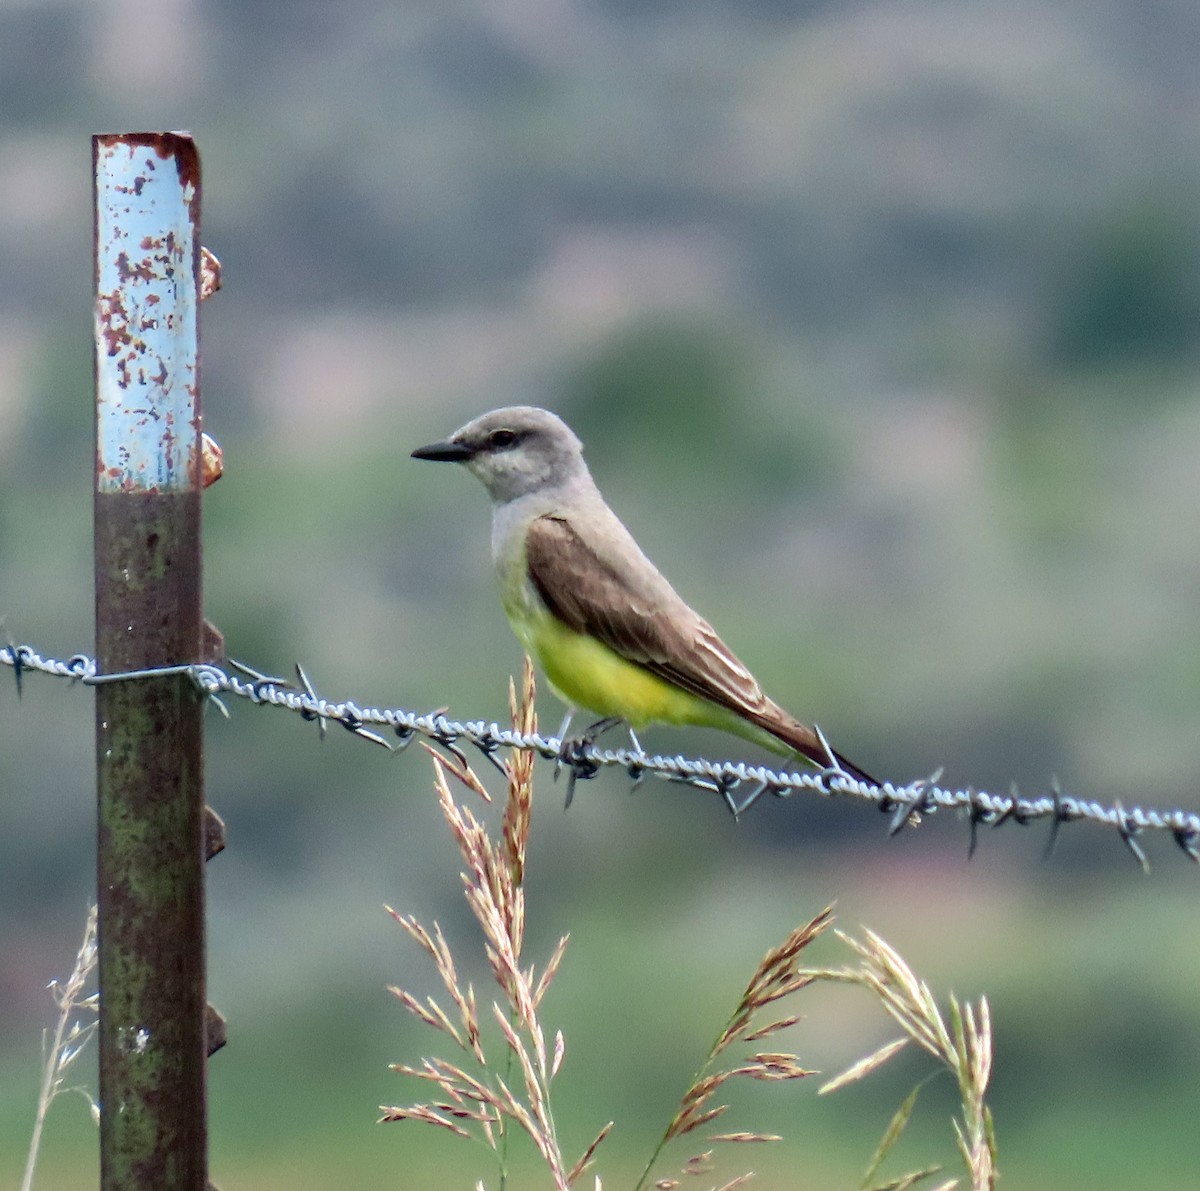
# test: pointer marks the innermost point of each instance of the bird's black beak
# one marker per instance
(444, 452)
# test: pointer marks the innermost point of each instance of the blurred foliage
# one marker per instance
(1131, 294)
(673, 389)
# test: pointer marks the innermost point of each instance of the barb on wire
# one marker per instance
(584, 759)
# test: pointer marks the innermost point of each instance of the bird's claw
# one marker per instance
(575, 753)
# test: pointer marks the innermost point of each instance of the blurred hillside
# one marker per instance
(881, 323)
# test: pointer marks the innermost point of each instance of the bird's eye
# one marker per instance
(502, 439)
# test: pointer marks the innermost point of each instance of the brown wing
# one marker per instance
(649, 627)
(640, 616)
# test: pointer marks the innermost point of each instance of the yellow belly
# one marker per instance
(586, 673)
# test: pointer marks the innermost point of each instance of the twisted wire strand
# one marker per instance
(739, 784)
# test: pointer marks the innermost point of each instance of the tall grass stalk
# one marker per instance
(70, 1038)
(485, 1100)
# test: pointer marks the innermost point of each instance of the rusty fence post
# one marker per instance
(150, 843)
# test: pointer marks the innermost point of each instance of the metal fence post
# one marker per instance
(148, 613)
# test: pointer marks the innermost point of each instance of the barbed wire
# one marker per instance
(738, 783)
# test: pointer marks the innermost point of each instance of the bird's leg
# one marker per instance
(566, 723)
(562, 738)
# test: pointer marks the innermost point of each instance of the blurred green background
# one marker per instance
(881, 324)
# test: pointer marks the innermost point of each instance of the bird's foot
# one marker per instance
(573, 752)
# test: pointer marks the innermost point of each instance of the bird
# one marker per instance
(608, 631)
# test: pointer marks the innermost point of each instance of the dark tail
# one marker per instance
(807, 742)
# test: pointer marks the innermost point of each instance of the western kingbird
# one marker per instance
(608, 630)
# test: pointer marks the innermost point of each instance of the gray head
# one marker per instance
(513, 451)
